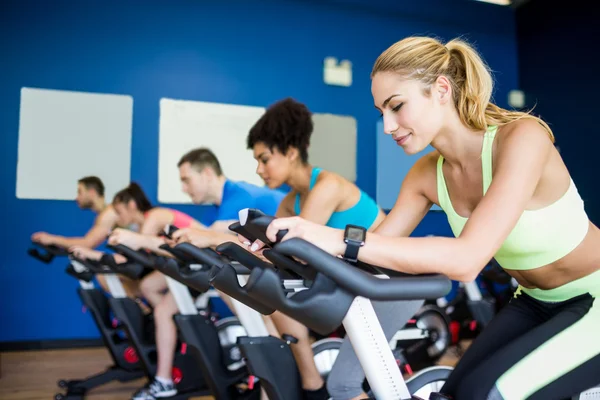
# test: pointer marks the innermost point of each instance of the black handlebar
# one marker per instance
(49, 253)
(258, 225)
(244, 257)
(239, 229)
(360, 283)
(222, 275)
(169, 231)
(253, 226)
(139, 257)
(292, 268)
(178, 254)
(204, 256)
(131, 268)
(198, 279)
(96, 267)
(358, 280)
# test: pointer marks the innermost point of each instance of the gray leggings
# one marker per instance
(346, 378)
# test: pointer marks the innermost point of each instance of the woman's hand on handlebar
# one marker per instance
(85, 253)
(119, 258)
(329, 239)
(256, 247)
(260, 246)
(128, 238)
(201, 238)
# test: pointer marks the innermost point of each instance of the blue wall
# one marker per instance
(242, 52)
(557, 74)
(393, 164)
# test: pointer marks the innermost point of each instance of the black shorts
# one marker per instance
(532, 349)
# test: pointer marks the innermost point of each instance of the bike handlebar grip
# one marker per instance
(360, 283)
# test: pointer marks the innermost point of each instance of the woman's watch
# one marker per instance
(354, 237)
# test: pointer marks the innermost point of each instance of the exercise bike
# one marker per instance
(419, 344)
(360, 321)
(267, 358)
(340, 294)
(221, 365)
(126, 366)
(139, 329)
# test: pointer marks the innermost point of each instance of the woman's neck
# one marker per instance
(459, 145)
(299, 179)
(139, 218)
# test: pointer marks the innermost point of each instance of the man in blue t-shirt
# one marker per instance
(203, 180)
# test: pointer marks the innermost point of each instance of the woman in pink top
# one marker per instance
(134, 208)
(135, 211)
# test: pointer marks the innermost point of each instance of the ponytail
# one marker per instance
(425, 59)
(134, 192)
(472, 83)
(473, 90)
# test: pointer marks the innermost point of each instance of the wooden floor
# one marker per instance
(33, 375)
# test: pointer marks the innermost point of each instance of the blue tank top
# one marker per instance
(363, 213)
(240, 195)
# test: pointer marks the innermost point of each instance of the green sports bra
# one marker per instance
(540, 237)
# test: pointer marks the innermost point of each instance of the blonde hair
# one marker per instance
(425, 59)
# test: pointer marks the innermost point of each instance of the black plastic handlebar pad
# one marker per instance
(239, 229)
(322, 307)
(249, 260)
(289, 269)
(225, 279)
(255, 226)
(244, 257)
(206, 257)
(360, 283)
(196, 279)
(140, 257)
(223, 276)
(48, 254)
(130, 268)
(181, 256)
(86, 275)
(97, 267)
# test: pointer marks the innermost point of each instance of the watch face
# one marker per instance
(355, 234)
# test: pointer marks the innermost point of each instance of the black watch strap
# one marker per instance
(351, 253)
(354, 237)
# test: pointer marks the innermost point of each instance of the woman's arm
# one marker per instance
(323, 199)
(521, 156)
(155, 221)
(147, 238)
(286, 207)
(412, 203)
(86, 253)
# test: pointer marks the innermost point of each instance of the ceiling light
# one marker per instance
(499, 2)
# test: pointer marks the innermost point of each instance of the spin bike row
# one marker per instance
(227, 358)
(281, 159)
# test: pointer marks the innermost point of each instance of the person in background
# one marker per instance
(203, 180)
(90, 196)
(280, 141)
